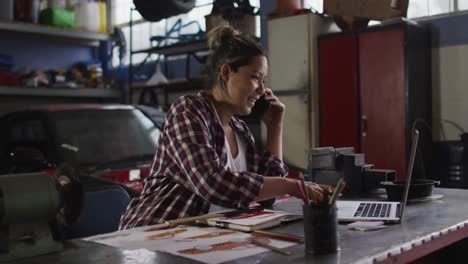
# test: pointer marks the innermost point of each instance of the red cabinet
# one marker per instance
(338, 72)
(374, 85)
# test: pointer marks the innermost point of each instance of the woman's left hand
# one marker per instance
(273, 117)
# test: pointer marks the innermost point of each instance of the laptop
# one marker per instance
(390, 212)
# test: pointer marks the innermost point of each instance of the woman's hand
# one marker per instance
(315, 192)
(276, 186)
(300, 176)
(273, 116)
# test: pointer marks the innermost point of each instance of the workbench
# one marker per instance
(426, 227)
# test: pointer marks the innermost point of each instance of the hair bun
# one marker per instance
(221, 35)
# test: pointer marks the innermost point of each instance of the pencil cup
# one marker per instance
(320, 229)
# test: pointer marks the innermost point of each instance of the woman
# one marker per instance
(206, 155)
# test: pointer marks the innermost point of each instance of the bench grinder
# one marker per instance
(30, 204)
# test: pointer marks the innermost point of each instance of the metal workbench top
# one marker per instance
(425, 223)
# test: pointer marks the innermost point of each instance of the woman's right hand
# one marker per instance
(316, 193)
(276, 186)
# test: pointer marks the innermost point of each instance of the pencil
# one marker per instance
(270, 247)
(305, 199)
(212, 215)
(305, 190)
(193, 219)
(284, 237)
(338, 189)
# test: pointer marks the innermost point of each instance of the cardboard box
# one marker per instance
(372, 9)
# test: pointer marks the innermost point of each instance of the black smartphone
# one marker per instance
(261, 105)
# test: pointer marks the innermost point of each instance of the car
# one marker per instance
(102, 143)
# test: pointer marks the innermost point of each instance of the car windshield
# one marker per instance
(92, 137)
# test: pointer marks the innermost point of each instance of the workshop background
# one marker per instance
(52, 44)
(350, 75)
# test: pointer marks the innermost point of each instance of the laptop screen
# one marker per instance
(414, 146)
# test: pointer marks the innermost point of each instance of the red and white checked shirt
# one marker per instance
(189, 170)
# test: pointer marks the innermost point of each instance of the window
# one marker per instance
(421, 8)
(110, 135)
(142, 30)
(314, 5)
(416, 8)
(462, 5)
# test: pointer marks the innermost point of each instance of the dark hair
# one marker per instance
(230, 46)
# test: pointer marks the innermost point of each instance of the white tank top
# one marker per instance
(239, 163)
(236, 165)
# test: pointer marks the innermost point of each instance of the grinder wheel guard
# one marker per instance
(155, 10)
(71, 196)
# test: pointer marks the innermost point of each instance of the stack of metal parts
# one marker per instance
(328, 164)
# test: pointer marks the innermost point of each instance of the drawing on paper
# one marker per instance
(206, 245)
(207, 235)
(165, 235)
(230, 245)
(157, 228)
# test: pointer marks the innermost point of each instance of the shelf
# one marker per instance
(60, 92)
(178, 48)
(51, 31)
(174, 86)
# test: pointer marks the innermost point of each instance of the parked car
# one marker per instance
(103, 143)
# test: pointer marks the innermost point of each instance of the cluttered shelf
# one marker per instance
(53, 31)
(177, 48)
(180, 85)
(60, 92)
(149, 91)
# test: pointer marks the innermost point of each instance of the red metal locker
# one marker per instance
(383, 99)
(339, 96)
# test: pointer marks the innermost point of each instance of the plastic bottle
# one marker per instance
(93, 18)
(87, 15)
(102, 16)
(80, 14)
(35, 10)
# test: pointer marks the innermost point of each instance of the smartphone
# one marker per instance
(261, 105)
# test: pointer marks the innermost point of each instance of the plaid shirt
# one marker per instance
(189, 169)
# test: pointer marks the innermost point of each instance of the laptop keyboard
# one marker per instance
(372, 210)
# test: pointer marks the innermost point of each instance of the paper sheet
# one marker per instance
(208, 245)
(366, 225)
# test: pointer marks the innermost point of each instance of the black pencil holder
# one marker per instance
(320, 229)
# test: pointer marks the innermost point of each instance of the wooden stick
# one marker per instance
(284, 237)
(270, 247)
(193, 218)
(212, 215)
